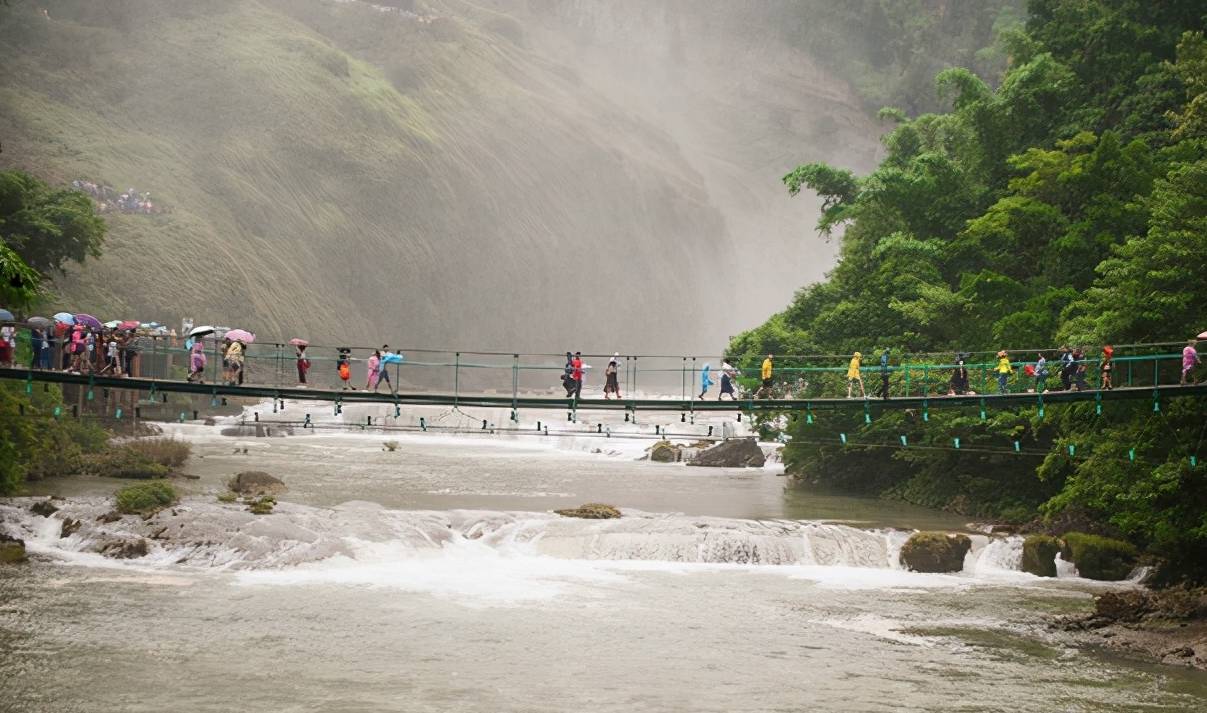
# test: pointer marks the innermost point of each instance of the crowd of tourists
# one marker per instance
(108, 199)
(77, 349)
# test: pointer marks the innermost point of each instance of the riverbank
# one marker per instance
(1169, 626)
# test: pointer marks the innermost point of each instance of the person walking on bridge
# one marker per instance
(1190, 357)
(958, 385)
(196, 361)
(383, 369)
(576, 373)
(1105, 367)
(1041, 373)
(705, 380)
(1068, 366)
(303, 363)
(765, 374)
(884, 374)
(611, 377)
(372, 366)
(1004, 369)
(728, 374)
(854, 376)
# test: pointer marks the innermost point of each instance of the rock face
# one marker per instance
(256, 482)
(591, 511)
(12, 549)
(734, 453)
(935, 552)
(1039, 555)
(1099, 557)
(123, 549)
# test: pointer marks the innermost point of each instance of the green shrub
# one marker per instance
(169, 452)
(227, 497)
(1098, 557)
(145, 497)
(262, 505)
(123, 462)
(1039, 555)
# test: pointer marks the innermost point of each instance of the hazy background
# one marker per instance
(532, 176)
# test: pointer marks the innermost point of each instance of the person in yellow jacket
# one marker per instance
(1003, 369)
(853, 375)
(765, 391)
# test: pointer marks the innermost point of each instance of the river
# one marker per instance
(432, 577)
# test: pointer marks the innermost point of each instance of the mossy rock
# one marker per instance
(145, 498)
(935, 552)
(256, 482)
(262, 505)
(228, 496)
(1100, 558)
(12, 550)
(1039, 555)
(664, 452)
(591, 511)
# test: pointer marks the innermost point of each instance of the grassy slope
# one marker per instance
(320, 194)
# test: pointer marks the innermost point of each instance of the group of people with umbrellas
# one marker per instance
(79, 343)
(234, 347)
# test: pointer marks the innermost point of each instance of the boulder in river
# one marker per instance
(256, 482)
(591, 511)
(733, 453)
(935, 552)
(12, 549)
(1098, 557)
(1039, 555)
(45, 508)
(665, 452)
(123, 549)
(70, 527)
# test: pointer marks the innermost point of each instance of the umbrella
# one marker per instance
(88, 321)
(39, 322)
(1203, 335)
(391, 358)
(64, 318)
(112, 324)
(200, 331)
(6, 316)
(240, 335)
(129, 324)
(299, 342)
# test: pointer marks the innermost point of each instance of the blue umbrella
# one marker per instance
(6, 316)
(65, 318)
(391, 358)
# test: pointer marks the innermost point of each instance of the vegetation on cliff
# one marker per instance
(1069, 204)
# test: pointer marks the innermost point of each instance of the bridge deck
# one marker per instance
(531, 402)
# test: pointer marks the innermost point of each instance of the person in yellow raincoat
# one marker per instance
(1004, 370)
(854, 377)
(764, 391)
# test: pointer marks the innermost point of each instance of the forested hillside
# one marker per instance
(1069, 205)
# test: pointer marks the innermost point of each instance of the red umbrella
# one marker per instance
(129, 324)
(299, 342)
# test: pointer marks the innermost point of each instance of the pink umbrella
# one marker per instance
(129, 324)
(89, 321)
(1203, 335)
(299, 342)
(240, 335)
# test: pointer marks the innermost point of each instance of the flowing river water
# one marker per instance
(433, 577)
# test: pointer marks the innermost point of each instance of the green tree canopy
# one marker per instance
(47, 227)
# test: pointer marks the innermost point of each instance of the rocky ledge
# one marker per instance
(1168, 625)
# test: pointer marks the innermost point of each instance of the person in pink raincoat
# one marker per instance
(197, 360)
(373, 365)
(1190, 357)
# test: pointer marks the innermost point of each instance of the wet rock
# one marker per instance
(45, 508)
(12, 549)
(1128, 605)
(210, 422)
(123, 549)
(935, 552)
(591, 511)
(70, 527)
(734, 453)
(1098, 557)
(1039, 555)
(256, 482)
(111, 516)
(664, 452)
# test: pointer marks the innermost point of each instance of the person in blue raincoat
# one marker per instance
(705, 380)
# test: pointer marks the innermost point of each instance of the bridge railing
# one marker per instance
(639, 376)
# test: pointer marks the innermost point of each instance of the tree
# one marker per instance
(47, 227)
(18, 282)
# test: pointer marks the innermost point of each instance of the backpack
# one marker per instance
(344, 372)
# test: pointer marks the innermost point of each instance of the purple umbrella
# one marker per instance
(240, 335)
(89, 321)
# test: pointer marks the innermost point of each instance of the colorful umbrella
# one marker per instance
(391, 358)
(112, 324)
(240, 335)
(129, 324)
(299, 342)
(39, 322)
(88, 321)
(1203, 335)
(6, 316)
(64, 318)
(200, 331)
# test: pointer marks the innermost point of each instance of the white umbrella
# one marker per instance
(200, 331)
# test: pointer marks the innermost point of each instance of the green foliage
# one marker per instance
(227, 496)
(1098, 557)
(47, 227)
(145, 498)
(1068, 204)
(262, 505)
(19, 283)
(34, 444)
(121, 462)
